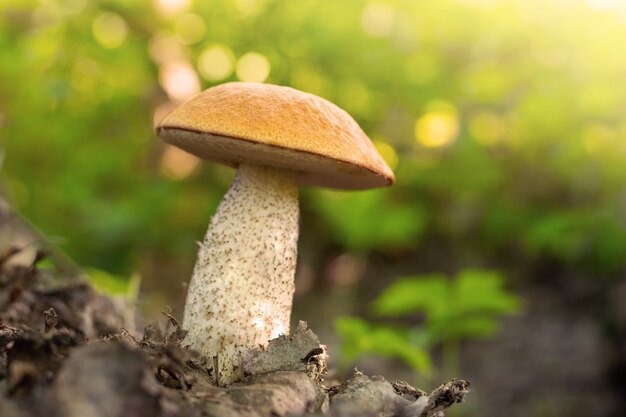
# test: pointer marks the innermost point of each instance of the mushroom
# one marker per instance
(241, 290)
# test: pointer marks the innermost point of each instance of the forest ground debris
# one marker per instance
(65, 351)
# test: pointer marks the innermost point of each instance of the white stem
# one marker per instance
(241, 291)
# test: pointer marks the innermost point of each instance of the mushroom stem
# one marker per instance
(241, 291)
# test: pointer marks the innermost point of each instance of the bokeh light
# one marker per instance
(171, 7)
(177, 164)
(502, 119)
(253, 67)
(110, 30)
(165, 48)
(179, 80)
(190, 28)
(161, 111)
(439, 126)
(345, 269)
(377, 19)
(216, 63)
(388, 153)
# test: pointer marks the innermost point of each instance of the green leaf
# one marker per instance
(110, 284)
(468, 306)
(425, 293)
(482, 291)
(361, 338)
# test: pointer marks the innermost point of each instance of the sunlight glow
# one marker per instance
(377, 19)
(177, 164)
(110, 30)
(484, 4)
(169, 7)
(179, 80)
(278, 331)
(261, 314)
(263, 311)
(602, 4)
(253, 67)
(438, 127)
(258, 322)
(216, 62)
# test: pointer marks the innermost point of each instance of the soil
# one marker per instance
(65, 351)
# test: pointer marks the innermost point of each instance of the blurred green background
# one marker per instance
(504, 120)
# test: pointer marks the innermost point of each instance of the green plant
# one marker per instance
(482, 134)
(466, 307)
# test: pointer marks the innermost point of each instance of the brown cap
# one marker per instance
(263, 124)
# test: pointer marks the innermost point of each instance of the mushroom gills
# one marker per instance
(241, 290)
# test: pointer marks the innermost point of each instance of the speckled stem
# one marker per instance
(241, 291)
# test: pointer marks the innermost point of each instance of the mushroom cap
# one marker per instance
(270, 125)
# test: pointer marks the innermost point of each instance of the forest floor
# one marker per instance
(65, 350)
